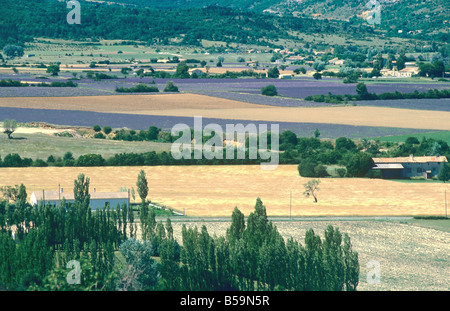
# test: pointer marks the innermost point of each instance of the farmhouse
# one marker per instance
(406, 72)
(98, 199)
(196, 71)
(407, 167)
(336, 61)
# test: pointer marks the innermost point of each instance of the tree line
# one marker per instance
(363, 94)
(253, 255)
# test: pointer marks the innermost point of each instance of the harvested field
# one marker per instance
(133, 104)
(190, 105)
(210, 191)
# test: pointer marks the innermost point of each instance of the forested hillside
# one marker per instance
(420, 18)
(21, 20)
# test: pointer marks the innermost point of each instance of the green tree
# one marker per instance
(81, 189)
(142, 186)
(401, 60)
(361, 90)
(13, 51)
(316, 133)
(311, 189)
(169, 251)
(139, 272)
(153, 132)
(351, 262)
(359, 164)
(273, 72)
(146, 219)
(22, 195)
(107, 129)
(306, 167)
(53, 69)
(7, 258)
(344, 144)
(444, 172)
(9, 127)
(182, 71)
(319, 65)
(237, 227)
(317, 75)
(300, 70)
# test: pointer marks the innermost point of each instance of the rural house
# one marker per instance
(98, 199)
(407, 167)
(197, 71)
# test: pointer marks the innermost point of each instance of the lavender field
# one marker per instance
(291, 92)
(140, 122)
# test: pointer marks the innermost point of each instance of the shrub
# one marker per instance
(107, 130)
(269, 90)
(170, 87)
(99, 135)
(140, 88)
(317, 75)
(97, 128)
(300, 70)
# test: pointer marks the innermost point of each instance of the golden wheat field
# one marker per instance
(190, 105)
(213, 191)
(135, 104)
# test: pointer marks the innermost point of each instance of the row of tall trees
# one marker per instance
(254, 256)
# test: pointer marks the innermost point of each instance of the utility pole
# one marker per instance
(290, 205)
(445, 196)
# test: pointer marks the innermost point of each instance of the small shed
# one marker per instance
(285, 76)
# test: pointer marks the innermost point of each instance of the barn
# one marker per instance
(98, 199)
(411, 166)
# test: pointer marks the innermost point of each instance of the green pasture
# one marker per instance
(41, 146)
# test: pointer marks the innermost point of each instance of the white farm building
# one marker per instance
(98, 199)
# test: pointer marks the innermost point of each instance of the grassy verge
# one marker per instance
(418, 181)
(436, 223)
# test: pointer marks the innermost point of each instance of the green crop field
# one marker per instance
(440, 135)
(41, 146)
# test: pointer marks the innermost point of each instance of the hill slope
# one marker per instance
(420, 17)
(19, 22)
